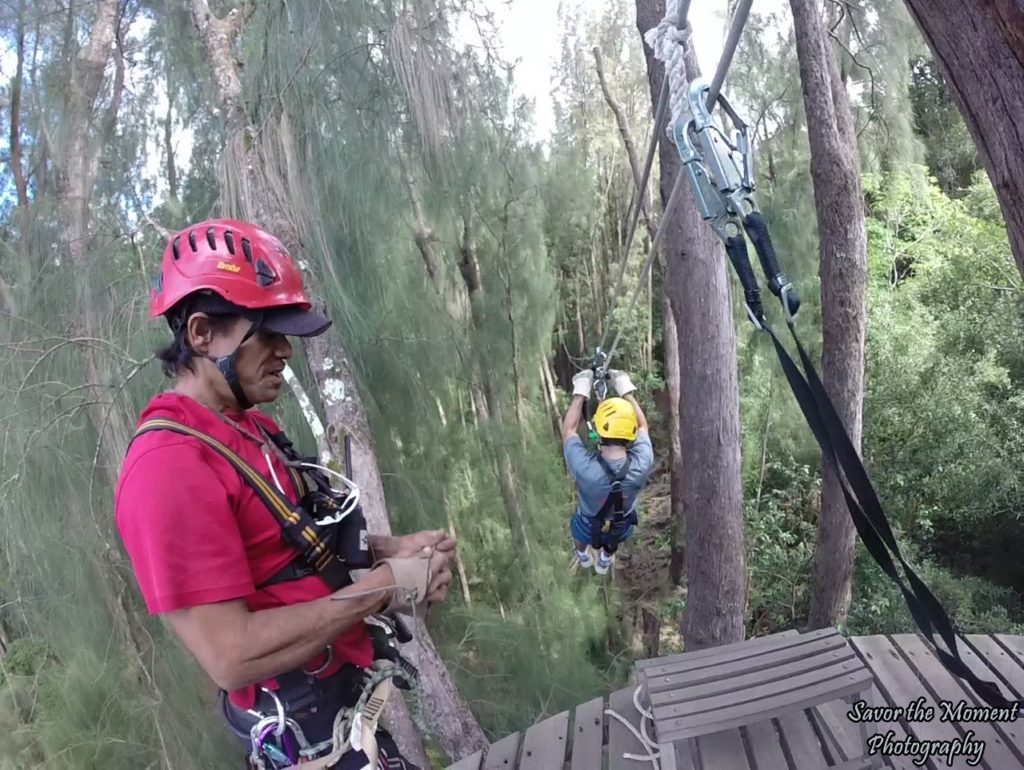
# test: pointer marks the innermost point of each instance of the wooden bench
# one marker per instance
(710, 693)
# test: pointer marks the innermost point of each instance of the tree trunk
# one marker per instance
(76, 177)
(550, 397)
(24, 218)
(449, 717)
(677, 561)
(835, 171)
(980, 48)
(76, 173)
(709, 428)
(169, 164)
(652, 632)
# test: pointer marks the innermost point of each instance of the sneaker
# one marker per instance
(585, 560)
(604, 562)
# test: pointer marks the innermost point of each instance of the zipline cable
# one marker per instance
(673, 199)
(732, 42)
(640, 188)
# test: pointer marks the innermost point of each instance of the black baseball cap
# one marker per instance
(290, 320)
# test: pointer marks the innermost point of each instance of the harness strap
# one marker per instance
(838, 451)
(614, 506)
(297, 525)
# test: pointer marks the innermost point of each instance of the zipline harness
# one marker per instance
(719, 172)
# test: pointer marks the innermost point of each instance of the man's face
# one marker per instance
(260, 362)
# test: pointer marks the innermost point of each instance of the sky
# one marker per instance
(530, 33)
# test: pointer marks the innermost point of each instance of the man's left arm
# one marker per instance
(571, 420)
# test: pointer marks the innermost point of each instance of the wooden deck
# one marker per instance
(904, 671)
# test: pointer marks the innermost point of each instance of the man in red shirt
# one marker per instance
(242, 546)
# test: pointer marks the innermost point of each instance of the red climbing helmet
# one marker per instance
(235, 266)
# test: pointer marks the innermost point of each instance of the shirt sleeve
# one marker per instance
(177, 522)
(576, 456)
(643, 452)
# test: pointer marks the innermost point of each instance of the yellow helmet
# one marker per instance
(615, 418)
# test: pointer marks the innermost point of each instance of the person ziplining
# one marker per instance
(610, 479)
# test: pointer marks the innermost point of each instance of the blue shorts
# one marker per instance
(580, 527)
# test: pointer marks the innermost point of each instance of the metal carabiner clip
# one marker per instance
(280, 712)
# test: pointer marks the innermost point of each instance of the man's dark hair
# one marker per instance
(616, 441)
(177, 356)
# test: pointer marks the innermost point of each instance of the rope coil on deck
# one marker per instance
(653, 755)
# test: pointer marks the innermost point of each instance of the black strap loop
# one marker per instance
(870, 520)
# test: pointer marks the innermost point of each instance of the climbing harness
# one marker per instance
(719, 173)
(328, 530)
(612, 519)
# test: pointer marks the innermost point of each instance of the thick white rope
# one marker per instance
(669, 44)
(653, 755)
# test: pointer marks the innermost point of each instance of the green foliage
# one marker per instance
(949, 150)
(780, 532)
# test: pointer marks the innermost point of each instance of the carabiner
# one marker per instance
(280, 711)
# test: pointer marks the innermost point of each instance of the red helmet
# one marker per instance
(242, 264)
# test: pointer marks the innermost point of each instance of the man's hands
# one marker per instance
(583, 383)
(621, 382)
(441, 548)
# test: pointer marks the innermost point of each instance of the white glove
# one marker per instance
(583, 383)
(621, 382)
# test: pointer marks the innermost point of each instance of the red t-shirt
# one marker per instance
(196, 533)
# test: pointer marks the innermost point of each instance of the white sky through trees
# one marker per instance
(530, 33)
(529, 36)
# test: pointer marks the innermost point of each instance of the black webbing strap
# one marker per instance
(613, 504)
(838, 451)
(297, 525)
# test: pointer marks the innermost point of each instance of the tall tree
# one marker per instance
(835, 170)
(255, 194)
(709, 430)
(978, 47)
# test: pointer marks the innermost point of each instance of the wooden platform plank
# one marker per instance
(1014, 643)
(588, 735)
(898, 734)
(722, 750)
(757, 642)
(833, 721)
(800, 742)
(503, 754)
(765, 746)
(620, 740)
(544, 744)
(901, 687)
(755, 671)
(853, 764)
(783, 648)
(999, 751)
(667, 757)
(744, 713)
(685, 754)
(472, 762)
(772, 690)
(998, 660)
